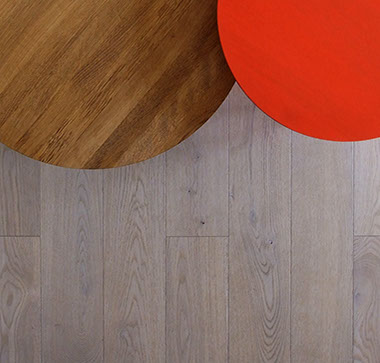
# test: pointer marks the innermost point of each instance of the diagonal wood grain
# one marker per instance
(19, 194)
(196, 327)
(135, 263)
(367, 186)
(367, 300)
(100, 84)
(20, 325)
(260, 235)
(72, 265)
(197, 181)
(322, 246)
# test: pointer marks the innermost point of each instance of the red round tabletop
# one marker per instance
(313, 66)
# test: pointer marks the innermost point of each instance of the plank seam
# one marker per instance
(165, 253)
(41, 274)
(352, 252)
(291, 248)
(18, 236)
(228, 227)
(103, 263)
(197, 236)
(366, 235)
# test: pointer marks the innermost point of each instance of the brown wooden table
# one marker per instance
(100, 84)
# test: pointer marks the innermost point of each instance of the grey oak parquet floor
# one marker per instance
(245, 243)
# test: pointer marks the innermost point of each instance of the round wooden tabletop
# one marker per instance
(100, 84)
(312, 65)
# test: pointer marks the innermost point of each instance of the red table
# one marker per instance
(313, 66)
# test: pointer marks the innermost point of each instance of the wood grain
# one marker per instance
(19, 194)
(196, 326)
(259, 235)
(197, 181)
(367, 186)
(135, 263)
(101, 84)
(72, 265)
(367, 299)
(20, 325)
(322, 245)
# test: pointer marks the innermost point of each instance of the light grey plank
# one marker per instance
(196, 326)
(260, 235)
(135, 263)
(367, 187)
(19, 194)
(197, 181)
(20, 328)
(72, 265)
(367, 299)
(322, 237)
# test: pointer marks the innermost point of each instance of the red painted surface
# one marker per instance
(313, 65)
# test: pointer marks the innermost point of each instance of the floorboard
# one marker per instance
(259, 235)
(72, 265)
(196, 326)
(19, 194)
(322, 246)
(197, 181)
(367, 187)
(134, 299)
(20, 324)
(367, 299)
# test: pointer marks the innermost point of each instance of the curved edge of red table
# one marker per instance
(312, 66)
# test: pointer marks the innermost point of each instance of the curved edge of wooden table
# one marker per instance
(196, 128)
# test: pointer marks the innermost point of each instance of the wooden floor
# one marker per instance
(246, 243)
